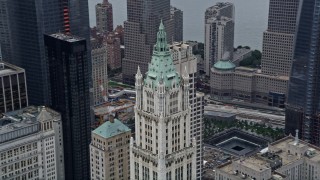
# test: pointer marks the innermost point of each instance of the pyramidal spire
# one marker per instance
(161, 69)
(161, 45)
(138, 76)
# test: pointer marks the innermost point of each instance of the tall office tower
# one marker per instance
(302, 110)
(278, 39)
(13, 88)
(109, 151)
(5, 39)
(22, 40)
(31, 144)
(114, 51)
(68, 67)
(140, 33)
(183, 58)
(219, 33)
(104, 16)
(177, 16)
(163, 148)
(99, 71)
(21, 36)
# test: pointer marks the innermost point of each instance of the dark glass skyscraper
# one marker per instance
(21, 35)
(22, 40)
(140, 33)
(303, 108)
(69, 77)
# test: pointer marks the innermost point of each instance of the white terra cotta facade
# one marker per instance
(163, 148)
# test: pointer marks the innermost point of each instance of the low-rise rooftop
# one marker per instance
(111, 128)
(224, 64)
(285, 153)
(219, 5)
(22, 122)
(66, 37)
(112, 107)
(285, 148)
(254, 163)
(8, 69)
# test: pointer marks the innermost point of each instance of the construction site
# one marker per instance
(120, 105)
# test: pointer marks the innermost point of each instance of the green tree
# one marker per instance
(247, 61)
(200, 45)
(253, 61)
(256, 54)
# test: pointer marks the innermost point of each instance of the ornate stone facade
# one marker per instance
(163, 148)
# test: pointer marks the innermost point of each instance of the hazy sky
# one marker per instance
(251, 18)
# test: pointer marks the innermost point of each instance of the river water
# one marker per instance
(251, 18)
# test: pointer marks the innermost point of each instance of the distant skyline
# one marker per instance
(251, 18)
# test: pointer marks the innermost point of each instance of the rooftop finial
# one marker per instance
(296, 139)
(161, 27)
(138, 71)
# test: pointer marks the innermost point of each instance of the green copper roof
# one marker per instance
(161, 68)
(224, 65)
(109, 129)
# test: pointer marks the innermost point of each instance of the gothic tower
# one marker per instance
(162, 148)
